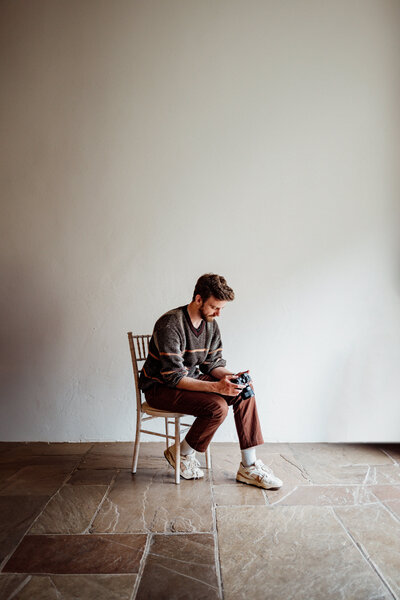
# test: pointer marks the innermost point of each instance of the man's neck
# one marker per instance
(194, 315)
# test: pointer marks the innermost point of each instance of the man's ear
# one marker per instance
(198, 300)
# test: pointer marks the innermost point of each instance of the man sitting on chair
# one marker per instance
(184, 372)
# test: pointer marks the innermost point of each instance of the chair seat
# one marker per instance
(146, 408)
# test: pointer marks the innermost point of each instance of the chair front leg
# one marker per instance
(208, 458)
(137, 442)
(177, 450)
(166, 431)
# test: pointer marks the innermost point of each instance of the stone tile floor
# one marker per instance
(74, 523)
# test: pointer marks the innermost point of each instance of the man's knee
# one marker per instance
(219, 408)
(246, 404)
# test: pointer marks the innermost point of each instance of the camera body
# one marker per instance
(247, 392)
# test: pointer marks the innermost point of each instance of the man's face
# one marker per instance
(211, 308)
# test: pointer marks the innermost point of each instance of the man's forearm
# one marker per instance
(197, 385)
(220, 372)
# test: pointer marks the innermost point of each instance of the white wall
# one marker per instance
(144, 143)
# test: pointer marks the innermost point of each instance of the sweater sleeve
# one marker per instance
(214, 356)
(168, 343)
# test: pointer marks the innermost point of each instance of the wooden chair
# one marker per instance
(139, 346)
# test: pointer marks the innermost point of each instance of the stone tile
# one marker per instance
(343, 454)
(5, 474)
(229, 495)
(9, 584)
(109, 456)
(6, 446)
(151, 501)
(386, 492)
(37, 480)
(275, 448)
(55, 448)
(390, 496)
(72, 587)
(288, 469)
(388, 474)
(393, 450)
(324, 495)
(225, 460)
(92, 477)
(151, 455)
(77, 554)
(40, 453)
(344, 463)
(378, 533)
(284, 461)
(394, 506)
(10, 460)
(117, 448)
(17, 513)
(180, 567)
(298, 552)
(70, 510)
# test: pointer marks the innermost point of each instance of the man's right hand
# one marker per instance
(225, 386)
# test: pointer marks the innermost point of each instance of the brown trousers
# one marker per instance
(210, 410)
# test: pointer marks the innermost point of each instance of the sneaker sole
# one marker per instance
(243, 479)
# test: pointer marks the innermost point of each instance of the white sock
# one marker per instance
(249, 456)
(185, 448)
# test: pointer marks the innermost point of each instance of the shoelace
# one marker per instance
(262, 471)
(260, 465)
(191, 462)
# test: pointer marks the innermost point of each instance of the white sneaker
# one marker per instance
(259, 475)
(189, 467)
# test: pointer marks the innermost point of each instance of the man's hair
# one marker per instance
(213, 285)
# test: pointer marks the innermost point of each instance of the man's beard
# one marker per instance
(205, 318)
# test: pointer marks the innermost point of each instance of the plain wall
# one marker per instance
(144, 143)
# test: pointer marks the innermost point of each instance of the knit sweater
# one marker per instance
(177, 349)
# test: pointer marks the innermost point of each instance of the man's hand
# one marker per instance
(225, 386)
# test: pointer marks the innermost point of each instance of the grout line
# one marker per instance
(142, 565)
(88, 528)
(391, 457)
(296, 457)
(76, 467)
(387, 508)
(215, 532)
(288, 494)
(20, 587)
(365, 555)
(301, 468)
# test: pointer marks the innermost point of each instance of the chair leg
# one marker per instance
(208, 458)
(166, 431)
(177, 450)
(137, 443)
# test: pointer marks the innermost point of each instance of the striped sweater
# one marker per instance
(177, 349)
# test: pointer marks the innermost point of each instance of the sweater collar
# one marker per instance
(197, 332)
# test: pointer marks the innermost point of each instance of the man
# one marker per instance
(185, 372)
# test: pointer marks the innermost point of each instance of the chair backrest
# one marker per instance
(139, 345)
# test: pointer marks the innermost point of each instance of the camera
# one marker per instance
(247, 392)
